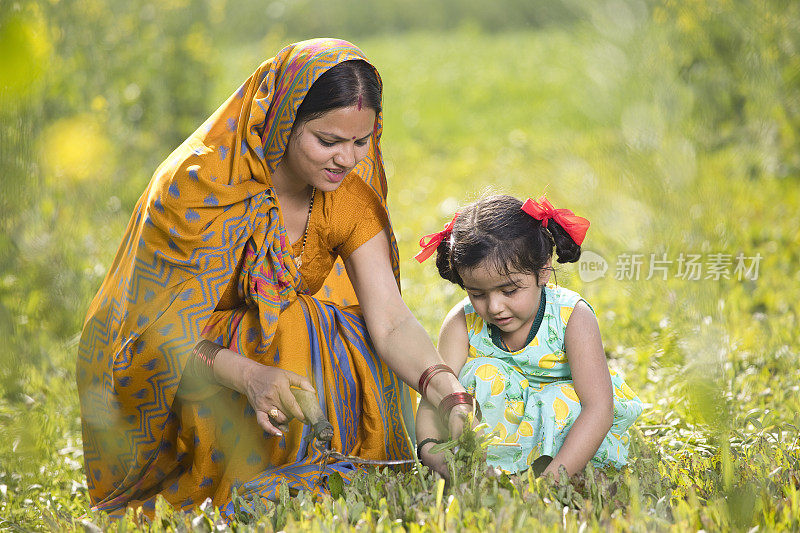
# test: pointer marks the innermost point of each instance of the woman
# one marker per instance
(205, 321)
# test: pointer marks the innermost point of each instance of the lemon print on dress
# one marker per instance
(628, 392)
(477, 325)
(570, 393)
(523, 384)
(621, 438)
(561, 410)
(486, 372)
(549, 360)
(498, 385)
(534, 454)
(525, 429)
(473, 353)
(514, 411)
(500, 432)
(489, 373)
(566, 312)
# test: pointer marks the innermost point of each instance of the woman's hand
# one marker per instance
(269, 393)
(434, 461)
(268, 389)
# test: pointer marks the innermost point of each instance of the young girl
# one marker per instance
(529, 352)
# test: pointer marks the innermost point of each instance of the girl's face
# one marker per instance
(322, 151)
(510, 301)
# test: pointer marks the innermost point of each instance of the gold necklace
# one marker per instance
(299, 259)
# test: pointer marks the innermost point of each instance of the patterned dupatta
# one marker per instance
(183, 243)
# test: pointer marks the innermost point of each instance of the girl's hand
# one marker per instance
(268, 391)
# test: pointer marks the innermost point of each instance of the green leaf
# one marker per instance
(335, 484)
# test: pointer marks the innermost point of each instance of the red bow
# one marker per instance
(434, 239)
(543, 210)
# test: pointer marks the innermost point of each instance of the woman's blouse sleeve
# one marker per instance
(357, 215)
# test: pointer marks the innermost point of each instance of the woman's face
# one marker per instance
(322, 151)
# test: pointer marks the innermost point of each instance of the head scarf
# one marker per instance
(181, 248)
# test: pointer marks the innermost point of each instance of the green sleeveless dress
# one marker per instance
(527, 397)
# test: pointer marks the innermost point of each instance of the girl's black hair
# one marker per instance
(496, 229)
(343, 85)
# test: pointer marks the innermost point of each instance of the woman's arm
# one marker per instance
(592, 381)
(453, 347)
(400, 340)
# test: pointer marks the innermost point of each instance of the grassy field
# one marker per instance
(599, 121)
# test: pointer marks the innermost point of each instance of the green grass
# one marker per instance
(602, 123)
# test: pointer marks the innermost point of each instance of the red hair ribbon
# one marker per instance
(433, 241)
(543, 210)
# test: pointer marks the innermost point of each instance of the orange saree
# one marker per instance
(206, 255)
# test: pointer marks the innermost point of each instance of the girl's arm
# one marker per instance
(592, 381)
(400, 340)
(453, 347)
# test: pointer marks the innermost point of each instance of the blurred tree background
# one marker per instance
(656, 99)
(95, 93)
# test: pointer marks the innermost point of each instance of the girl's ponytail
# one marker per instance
(566, 228)
(567, 249)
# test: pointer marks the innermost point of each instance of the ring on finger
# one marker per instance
(273, 412)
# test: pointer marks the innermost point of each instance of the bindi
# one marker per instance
(359, 102)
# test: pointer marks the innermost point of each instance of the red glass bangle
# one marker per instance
(427, 376)
(457, 398)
